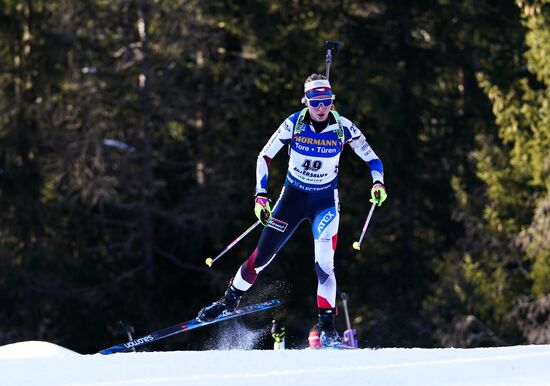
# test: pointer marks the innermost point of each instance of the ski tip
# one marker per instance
(113, 350)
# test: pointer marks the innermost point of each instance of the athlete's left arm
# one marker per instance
(361, 147)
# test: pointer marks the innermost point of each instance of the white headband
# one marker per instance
(316, 84)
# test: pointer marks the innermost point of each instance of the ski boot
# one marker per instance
(227, 304)
(328, 336)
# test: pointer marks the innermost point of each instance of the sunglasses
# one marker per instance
(315, 103)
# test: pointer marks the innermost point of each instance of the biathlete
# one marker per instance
(316, 137)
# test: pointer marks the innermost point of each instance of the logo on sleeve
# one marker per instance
(287, 125)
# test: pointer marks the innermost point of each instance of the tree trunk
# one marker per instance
(147, 189)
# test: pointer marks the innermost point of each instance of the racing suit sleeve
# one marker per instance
(281, 137)
(361, 147)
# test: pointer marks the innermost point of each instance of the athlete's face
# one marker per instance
(319, 108)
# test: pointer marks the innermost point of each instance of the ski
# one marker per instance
(339, 346)
(187, 326)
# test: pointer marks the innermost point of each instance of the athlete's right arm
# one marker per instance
(281, 137)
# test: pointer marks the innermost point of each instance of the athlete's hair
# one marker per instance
(313, 77)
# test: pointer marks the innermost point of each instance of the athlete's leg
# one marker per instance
(289, 209)
(325, 233)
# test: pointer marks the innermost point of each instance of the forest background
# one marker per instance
(129, 133)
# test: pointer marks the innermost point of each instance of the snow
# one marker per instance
(33, 349)
(45, 364)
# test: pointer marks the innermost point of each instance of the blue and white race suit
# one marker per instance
(310, 192)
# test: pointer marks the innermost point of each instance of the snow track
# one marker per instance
(45, 364)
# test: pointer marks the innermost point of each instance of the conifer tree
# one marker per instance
(502, 268)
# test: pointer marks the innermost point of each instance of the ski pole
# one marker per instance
(128, 330)
(211, 261)
(349, 334)
(357, 244)
(345, 299)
